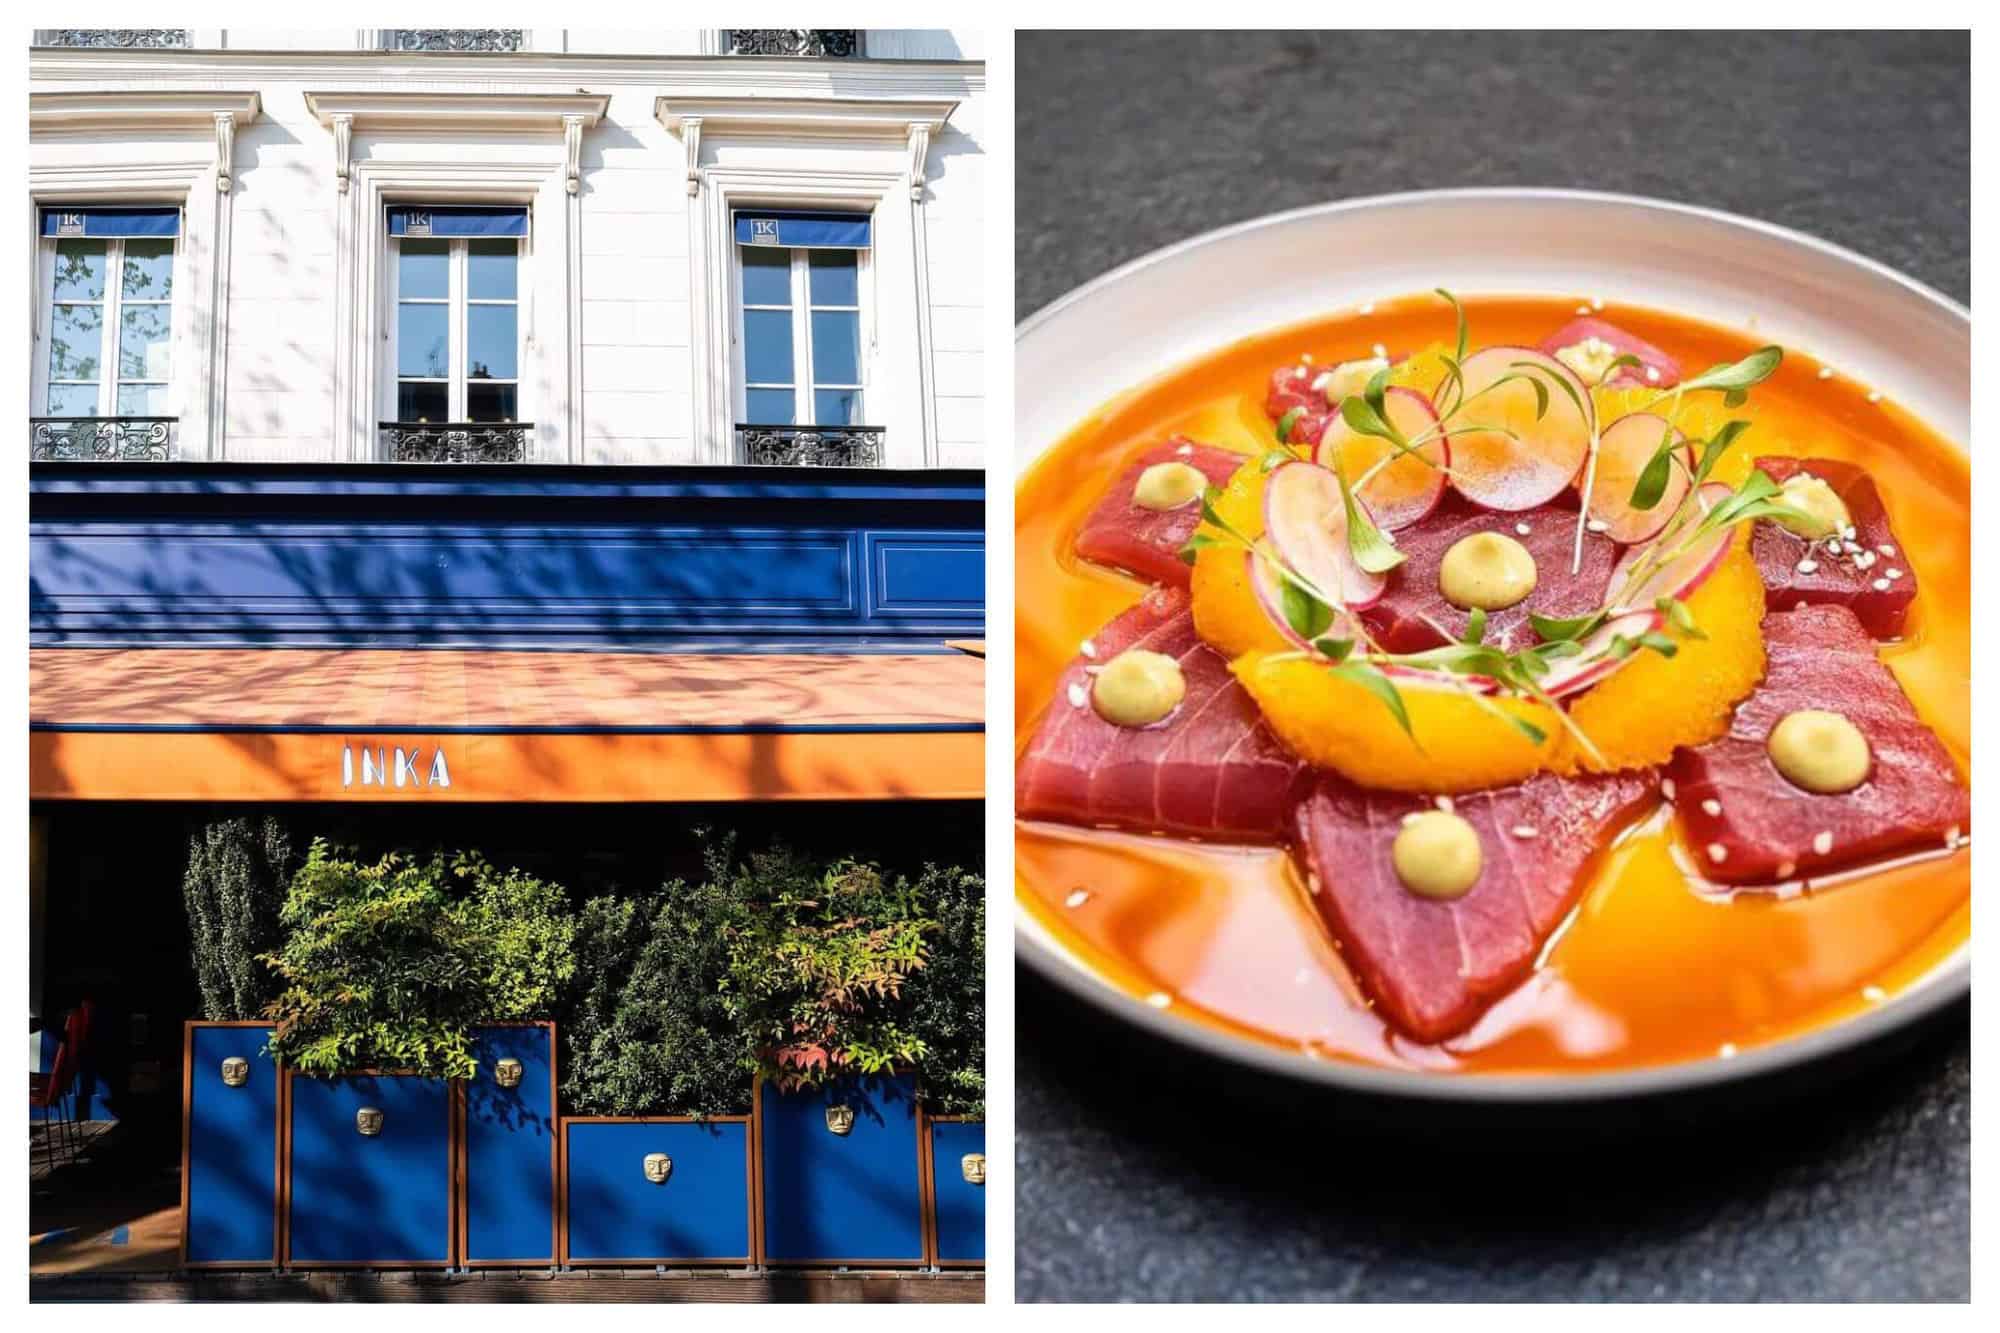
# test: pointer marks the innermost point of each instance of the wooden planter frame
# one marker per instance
(927, 1202)
(279, 1162)
(454, 1150)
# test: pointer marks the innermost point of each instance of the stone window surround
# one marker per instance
(200, 184)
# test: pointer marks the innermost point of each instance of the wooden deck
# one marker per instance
(599, 1286)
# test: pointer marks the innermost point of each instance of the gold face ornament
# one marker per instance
(235, 1071)
(973, 1164)
(507, 1073)
(658, 1167)
(840, 1119)
(369, 1121)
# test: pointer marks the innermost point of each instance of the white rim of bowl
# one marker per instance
(1948, 982)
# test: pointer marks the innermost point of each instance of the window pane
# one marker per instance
(423, 268)
(770, 407)
(142, 400)
(149, 269)
(144, 351)
(422, 345)
(492, 270)
(836, 347)
(79, 270)
(423, 402)
(72, 400)
(491, 343)
(767, 275)
(76, 342)
(836, 277)
(492, 402)
(837, 407)
(767, 346)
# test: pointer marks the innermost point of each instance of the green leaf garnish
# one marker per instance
(1195, 545)
(1308, 616)
(1371, 550)
(1334, 649)
(1653, 479)
(1679, 617)
(1371, 679)
(1286, 422)
(1557, 629)
(1276, 458)
(1475, 626)
(1738, 376)
(1659, 643)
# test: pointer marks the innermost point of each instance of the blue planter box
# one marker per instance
(958, 1204)
(381, 1201)
(229, 1149)
(509, 1213)
(854, 1198)
(614, 1214)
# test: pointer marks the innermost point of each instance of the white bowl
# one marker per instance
(1176, 305)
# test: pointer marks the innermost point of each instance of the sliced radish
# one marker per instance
(1407, 489)
(1409, 677)
(1679, 577)
(1270, 586)
(1306, 522)
(1623, 451)
(1580, 671)
(1502, 457)
(1665, 372)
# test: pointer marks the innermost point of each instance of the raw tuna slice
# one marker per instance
(1212, 769)
(1732, 800)
(1147, 542)
(1413, 615)
(1623, 344)
(1845, 577)
(1292, 387)
(1434, 966)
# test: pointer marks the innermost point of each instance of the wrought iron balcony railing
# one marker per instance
(116, 37)
(792, 41)
(456, 441)
(812, 446)
(102, 439)
(458, 39)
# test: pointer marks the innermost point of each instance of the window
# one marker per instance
(108, 284)
(800, 313)
(457, 325)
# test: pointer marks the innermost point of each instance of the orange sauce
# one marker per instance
(1646, 971)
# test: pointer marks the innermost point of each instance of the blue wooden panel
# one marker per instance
(700, 1213)
(232, 1184)
(510, 1137)
(358, 1200)
(523, 556)
(961, 1206)
(854, 1197)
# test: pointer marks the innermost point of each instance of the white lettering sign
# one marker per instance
(395, 766)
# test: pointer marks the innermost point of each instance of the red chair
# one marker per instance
(50, 1092)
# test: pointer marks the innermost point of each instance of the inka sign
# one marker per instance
(396, 767)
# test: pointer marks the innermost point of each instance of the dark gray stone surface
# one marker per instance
(1130, 1185)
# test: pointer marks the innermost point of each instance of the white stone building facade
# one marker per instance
(551, 246)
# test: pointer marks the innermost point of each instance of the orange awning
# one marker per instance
(290, 724)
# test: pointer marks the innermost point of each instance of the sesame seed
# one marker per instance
(1711, 807)
(1874, 396)
(1826, 372)
(1951, 838)
(1887, 550)
(1848, 532)
(1717, 852)
(1305, 358)
(1312, 883)
(1822, 843)
(1833, 546)
(1077, 697)
(1866, 560)
(1728, 1050)
(1089, 648)
(1880, 585)
(1522, 831)
(1159, 999)
(1185, 451)
(1583, 310)
(1077, 898)
(1444, 803)
(1380, 351)
(1597, 303)
(1598, 525)
(1523, 529)
(1411, 817)
(1785, 869)
(1667, 788)
(1892, 573)
(1808, 566)
(1874, 994)
(1652, 374)
(1367, 307)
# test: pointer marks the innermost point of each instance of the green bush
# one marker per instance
(233, 889)
(391, 965)
(948, 998)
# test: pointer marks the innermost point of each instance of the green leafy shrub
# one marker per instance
(948, 998)
(233, 888)
(390, 966)
(818, 962)
(649, 1031)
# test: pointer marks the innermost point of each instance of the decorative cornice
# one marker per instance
(573, 128)
(806, 117)
(342, 125)
(225, 149)
(691, 141)
(139, 110)
(920, 151)
(547, 112)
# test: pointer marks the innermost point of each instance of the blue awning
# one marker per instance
(91, 221)
(816, 231)
(458, 220)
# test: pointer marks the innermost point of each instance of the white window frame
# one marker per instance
(801, 310)
(458, 304)
(112, 304)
